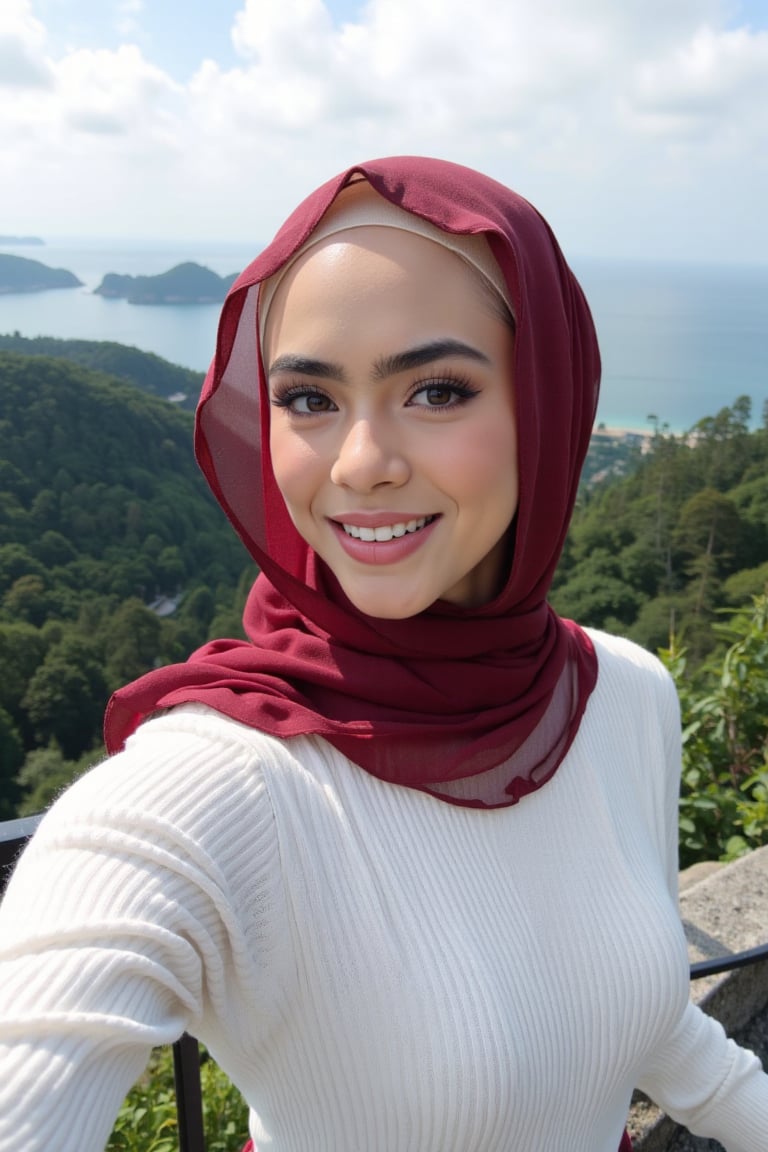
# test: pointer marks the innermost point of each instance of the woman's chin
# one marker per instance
(387, 606)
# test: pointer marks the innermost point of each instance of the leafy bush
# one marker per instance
(147, 1119)
(724, 795)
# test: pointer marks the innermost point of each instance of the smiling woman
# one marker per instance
(404, 859)
(398, 465)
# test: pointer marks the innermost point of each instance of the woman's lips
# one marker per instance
(376, 538)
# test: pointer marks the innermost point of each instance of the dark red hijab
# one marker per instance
(476, 706)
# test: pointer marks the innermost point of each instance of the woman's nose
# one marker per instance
(369, 455)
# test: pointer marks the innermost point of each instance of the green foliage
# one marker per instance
(135, 633)
(670, 540)
(724, 796)
(102, 512)
(11, 759)
(147, 1120)
(145, 370)
(66, 697)
(46, 772)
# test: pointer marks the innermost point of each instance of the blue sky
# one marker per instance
(638, 127)
(174, 34)
(178, 34)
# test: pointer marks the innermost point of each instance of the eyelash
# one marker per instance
(460, 388)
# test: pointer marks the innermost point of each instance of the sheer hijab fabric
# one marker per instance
(475, 706)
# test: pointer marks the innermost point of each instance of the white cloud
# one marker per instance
(112, 92)
(19, 68)
(602, 113)
(22, 43)
(278, 33)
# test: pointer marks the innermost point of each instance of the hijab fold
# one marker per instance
(475, 706)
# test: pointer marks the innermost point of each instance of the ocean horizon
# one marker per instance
(678, 341)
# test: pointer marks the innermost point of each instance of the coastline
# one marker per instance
(639, 437)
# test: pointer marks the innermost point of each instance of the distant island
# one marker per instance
(17, 274)
(7, 241)
(185, 284)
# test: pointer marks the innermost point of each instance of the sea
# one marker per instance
(678, 341)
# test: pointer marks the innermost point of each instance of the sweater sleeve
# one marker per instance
(708, 1083)
(119, 928)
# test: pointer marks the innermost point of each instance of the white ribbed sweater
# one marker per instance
(377, 970)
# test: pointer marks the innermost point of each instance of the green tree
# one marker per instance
(45, 510)
(16, 561)
(597, 590)
(170, 567)
(710, 529)
(134, 635)
(739, 588)
(27, 599)
(198, 606)
(22, 650)
(11, 759)
(66, 696)
(54, 549)
(45, 773)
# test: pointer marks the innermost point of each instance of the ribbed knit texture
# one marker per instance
(378, 971)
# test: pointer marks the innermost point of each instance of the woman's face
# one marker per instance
(393, 435)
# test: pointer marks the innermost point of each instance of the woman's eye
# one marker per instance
(442, 395)
(306, 403)
(436, 396)
(311, 402)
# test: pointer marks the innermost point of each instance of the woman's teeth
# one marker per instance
(388, 531)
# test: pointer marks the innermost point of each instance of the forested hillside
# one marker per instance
(147, 371)
(662, 550)
(102, 511)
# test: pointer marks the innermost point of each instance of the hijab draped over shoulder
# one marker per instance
(477, 706)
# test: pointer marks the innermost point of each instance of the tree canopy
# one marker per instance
(104, 513)
(145, 370)
(660, 551)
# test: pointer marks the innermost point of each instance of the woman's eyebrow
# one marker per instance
(307, 366)
(385, 366)
(425, 354)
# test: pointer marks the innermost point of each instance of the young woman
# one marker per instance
(405, 860)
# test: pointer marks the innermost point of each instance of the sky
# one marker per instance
(638, 127)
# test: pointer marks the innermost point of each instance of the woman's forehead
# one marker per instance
(399, 287)
(358, 207)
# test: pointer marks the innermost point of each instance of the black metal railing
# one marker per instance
(186, 1054)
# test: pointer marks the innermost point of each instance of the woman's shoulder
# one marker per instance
(619, 652)
(627, 669)
(183, 776)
